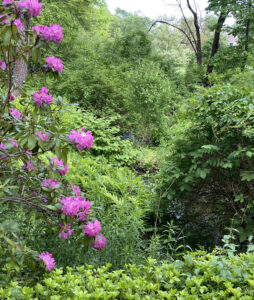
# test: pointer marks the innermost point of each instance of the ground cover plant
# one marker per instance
(196, 276)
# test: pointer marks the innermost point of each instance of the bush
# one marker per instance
(122, 201)
(107, 141)
(207, 177)
(196, 276)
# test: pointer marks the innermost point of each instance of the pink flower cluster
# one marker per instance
(74, 205)
(16, 22)
(54, 63)
(49, 261)
(29, 166)
(2, 66)
(76, 190)
(42, 136)
(66, 231)
(42, 96)
(92, 228)
(49, 183)
(84, 140)
(58, 165)
(99, 242)
(50, 33)
(31, 7)
(11, 141)
(15, 113)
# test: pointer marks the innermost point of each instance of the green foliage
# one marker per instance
(121, 200)
(197, 276)
(23, 259)
(149, 100)
(207, 177)
(107, 141)
(122, 203)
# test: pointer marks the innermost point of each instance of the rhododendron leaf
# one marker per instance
(3, 30)
(51, 207)
(58, 206)
(64, 155)
(23, 141)
(32, 142)
(36, 54)
(41, 144)
(58, 151)
(7, 37)
(9, 241)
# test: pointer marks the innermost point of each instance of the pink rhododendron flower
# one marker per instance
(82, 216)
(15, 113)
(85, 205)
(99, 242)
(54, 63)
(50, 183)
(85, 208)
(42, 96)
(2, 65)
(92, 228)
(58, 165)
(42, 136)
(49, 261)
(84, 140)
(76, 190)
(29, 166)
(66, 231)
(13, 142)
(2, 146)
(29, 152)
(32, 7)
(70, 206)
(19, 24)
(52, 33)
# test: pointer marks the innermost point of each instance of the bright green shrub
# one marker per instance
(122, 201)
(107, 141)
(196, 276)
(207, 177)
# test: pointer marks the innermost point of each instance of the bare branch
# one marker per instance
(28, 201)
(176, 27)
(186, 21)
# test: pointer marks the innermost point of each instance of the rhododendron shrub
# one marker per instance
(30, 131)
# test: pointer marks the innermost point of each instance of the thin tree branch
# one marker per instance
(176, 27)
(28, 201)
(185, 20)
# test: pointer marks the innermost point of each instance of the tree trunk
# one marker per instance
(198, 37)
(216, 40)
(20, 69)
